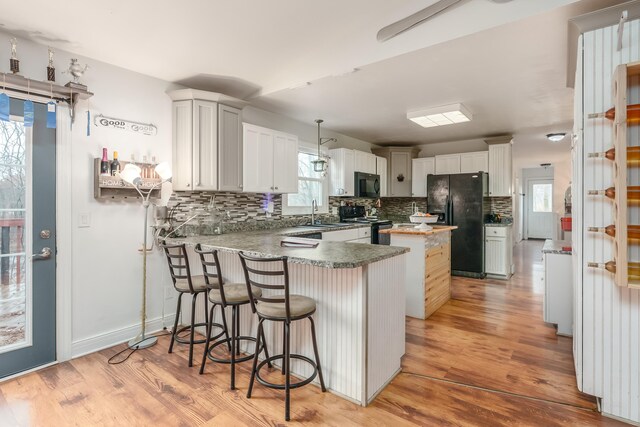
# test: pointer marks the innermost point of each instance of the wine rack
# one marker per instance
(113, 187)
(624, 75)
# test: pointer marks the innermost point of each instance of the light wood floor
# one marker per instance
(484, 359)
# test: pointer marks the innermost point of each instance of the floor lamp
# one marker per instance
(131, 174)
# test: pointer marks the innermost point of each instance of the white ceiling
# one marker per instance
(505, 62)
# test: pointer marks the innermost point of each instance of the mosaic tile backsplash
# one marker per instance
(245, 211)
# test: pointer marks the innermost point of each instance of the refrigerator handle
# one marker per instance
(450, 210)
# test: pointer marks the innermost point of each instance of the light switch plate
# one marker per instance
(84, 220)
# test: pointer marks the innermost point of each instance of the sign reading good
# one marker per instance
(110, 122)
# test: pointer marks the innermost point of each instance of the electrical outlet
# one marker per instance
(334, 210)
(84, 220)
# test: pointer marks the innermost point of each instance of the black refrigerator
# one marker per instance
(460, 200)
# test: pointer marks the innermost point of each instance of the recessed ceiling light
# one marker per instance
(440, 116)
(556, 137)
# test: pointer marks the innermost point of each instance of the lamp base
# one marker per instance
(140, 343)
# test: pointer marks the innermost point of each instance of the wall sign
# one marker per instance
(110, 122)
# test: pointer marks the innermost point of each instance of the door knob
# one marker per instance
(44, 254)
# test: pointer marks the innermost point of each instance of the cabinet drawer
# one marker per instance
(496, 231)
(364, 232)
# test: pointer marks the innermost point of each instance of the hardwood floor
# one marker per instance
(484, 359)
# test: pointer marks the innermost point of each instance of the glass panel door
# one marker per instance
(15, 286)
(27, 241)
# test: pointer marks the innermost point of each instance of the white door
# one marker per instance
(448, 164)
(205, 145)
(420, 169)
(381, 169)
(258, 159)
(540, 209)
(474, 162)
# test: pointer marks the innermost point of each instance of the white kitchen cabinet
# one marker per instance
(341, 170)
(558, 290)
(498, 257)
(352, 235)
(270, 160)
(420, 169)
(447, 164)
(364, 162)
(474, 162)
(206, 141)
(229, 148)
(500, 170)
(381, 169)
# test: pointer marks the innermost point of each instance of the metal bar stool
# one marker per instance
(184, 283)
(232, 295)
(279, 308)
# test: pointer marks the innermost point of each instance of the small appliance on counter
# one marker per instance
(359, 214)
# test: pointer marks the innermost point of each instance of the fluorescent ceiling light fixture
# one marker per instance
(556, 137)
(440, 116)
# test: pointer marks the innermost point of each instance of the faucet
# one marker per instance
(314, 208)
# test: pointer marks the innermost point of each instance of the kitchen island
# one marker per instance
(359, 292)
(428, 267)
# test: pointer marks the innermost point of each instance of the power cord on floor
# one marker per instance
(133, 347)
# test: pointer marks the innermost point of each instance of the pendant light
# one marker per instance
(321, 164)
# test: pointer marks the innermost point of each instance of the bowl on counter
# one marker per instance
(423, 220)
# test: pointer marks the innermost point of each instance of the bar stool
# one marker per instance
(279, 308)
(232, 295)
(184, 283)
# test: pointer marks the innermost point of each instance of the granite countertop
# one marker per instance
(416, 232)
(555, 247)
(266, 243)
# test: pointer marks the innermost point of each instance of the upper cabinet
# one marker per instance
(474, 162)
(420, 169)
(206, 141)
(270, 160)
(399, 167)
(341, 170)
(447, 164)
(364, 162)
(500, 170)
(381, 169)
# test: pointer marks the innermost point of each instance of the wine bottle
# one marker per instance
(633, 193)
(633, 155)
(633, 231)
(115, 164)
(633, 114)
(104, 163)
(633, 268)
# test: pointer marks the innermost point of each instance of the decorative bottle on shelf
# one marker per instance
(104, 164)
(633, 155)
(633, 268)
(633, 114)
(633, 231)
(633, 193)
(115, 164)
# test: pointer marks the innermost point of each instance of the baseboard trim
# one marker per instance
(109, 339)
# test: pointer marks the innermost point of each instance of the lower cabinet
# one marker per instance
(437, 278)
(558, 292)
(352, 235)
(498, 251)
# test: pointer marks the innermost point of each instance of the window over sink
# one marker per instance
(311, 185)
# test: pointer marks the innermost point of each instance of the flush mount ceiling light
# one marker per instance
(440, 116)
(556, 137)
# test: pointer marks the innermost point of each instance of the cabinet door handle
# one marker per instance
(188, 185)
(276, 188)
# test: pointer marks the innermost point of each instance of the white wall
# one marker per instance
(452, 147)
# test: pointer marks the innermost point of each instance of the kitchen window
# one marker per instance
(311, 185)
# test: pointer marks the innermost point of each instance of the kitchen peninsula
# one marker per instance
(359, 291)
(428, 267)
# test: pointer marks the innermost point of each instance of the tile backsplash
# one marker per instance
(245, 211)
(502, 206)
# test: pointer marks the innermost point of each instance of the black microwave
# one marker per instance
(367, 185)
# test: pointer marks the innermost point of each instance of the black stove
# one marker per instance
(358, 214)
